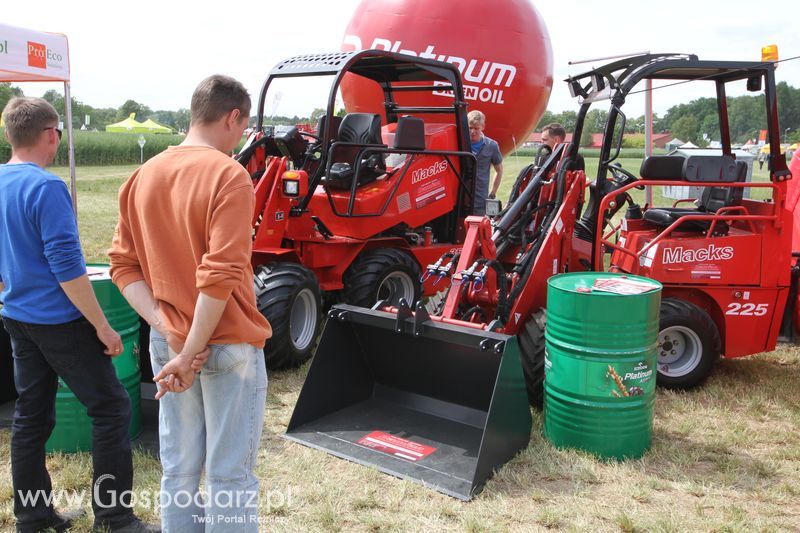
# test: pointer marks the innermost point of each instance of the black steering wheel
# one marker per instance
(622, 177)
(308, 134)
(313, 147)
(541, 154)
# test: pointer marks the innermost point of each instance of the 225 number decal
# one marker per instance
(747, 309)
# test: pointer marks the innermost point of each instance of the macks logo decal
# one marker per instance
(711, 253)
(428, 172)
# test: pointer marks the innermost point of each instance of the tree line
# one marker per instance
(695, 121)
(100, 117)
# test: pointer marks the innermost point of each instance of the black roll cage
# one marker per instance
(615, 81)
(387, 69)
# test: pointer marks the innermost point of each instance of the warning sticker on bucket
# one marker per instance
(386, 443)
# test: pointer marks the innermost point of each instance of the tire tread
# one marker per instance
(674, 312)
(360, 277)
(275, 286)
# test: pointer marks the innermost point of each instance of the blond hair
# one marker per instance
(26, 118)
(476, 117)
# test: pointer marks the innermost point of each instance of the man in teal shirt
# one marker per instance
(487, 152)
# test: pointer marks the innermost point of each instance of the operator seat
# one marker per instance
(696, 169)
(410, 134)
(360, 129)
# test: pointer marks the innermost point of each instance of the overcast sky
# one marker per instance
(155, 52)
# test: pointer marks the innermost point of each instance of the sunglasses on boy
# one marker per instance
(58, 131)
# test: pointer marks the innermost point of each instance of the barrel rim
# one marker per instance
(553, 280)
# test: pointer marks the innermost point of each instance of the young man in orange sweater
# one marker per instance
(181, 257)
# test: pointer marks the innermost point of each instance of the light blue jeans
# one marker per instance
(214, 426)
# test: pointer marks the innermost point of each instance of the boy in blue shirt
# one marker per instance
(57, 329)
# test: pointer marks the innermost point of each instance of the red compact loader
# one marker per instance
(355, 210)
(436, 393)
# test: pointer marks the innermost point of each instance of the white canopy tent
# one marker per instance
(28, 55)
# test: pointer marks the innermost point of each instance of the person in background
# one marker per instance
(57, 329)
(194, 286)
(552, 135)
(487, 152)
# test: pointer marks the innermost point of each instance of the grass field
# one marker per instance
(724, 458)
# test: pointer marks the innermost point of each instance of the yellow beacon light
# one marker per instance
(769, 53)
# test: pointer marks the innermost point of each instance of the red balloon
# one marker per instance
(793, 195)
(501, 48)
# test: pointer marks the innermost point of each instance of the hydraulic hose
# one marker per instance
(502, 286)
(512, 197)
(531, 256)
(471, 311)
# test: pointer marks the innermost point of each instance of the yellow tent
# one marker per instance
(765, 149)
(154, 127)
(129, 125)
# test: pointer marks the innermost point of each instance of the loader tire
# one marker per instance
(531, 353)
(382, 274)
(288, 295)
(688, 345)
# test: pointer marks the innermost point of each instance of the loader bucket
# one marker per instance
(438, 404)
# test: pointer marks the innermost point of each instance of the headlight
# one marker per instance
(291, 187)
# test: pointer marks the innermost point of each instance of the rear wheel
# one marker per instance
(531, 351)
(288, 295)
(382, 274)
(688, 345)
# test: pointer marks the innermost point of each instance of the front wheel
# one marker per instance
(688, 345)
(288, 295)
(531, 352)
(382, 274)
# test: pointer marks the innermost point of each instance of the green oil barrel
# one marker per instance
(73, 431)
(600, 363)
